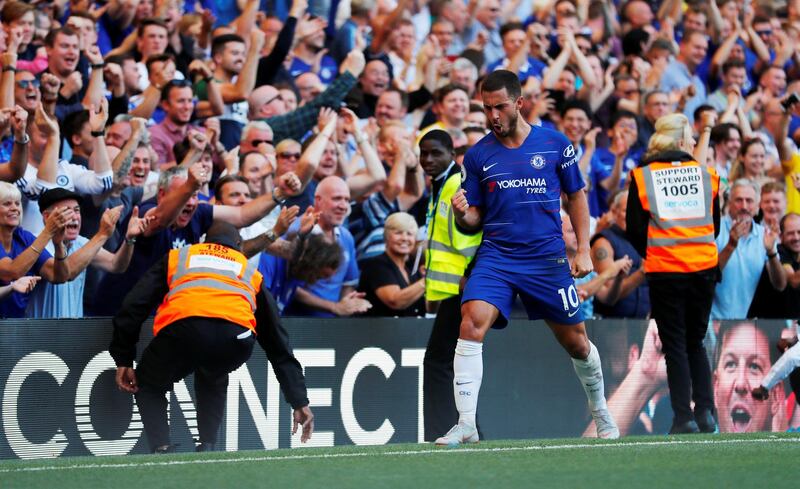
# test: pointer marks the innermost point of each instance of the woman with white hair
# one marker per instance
(388, 281)
(672, 219)
(23, 254)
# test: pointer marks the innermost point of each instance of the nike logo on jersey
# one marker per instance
(573, 313)
(487, 168)
(463, 383)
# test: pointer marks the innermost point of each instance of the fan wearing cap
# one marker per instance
(65, 300)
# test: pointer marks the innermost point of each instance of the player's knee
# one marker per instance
(580, 352)
(471, 330)
(578, 347)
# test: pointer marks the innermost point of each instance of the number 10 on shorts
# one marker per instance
(572, 294)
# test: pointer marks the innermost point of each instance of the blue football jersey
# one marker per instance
(519, 191)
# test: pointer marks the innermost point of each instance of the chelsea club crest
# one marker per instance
(537, 161)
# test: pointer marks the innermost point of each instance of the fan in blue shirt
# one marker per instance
(314, 258)
(609, 172)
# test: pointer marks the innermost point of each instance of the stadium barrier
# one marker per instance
(364, 379)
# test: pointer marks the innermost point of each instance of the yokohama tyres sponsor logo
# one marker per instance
(521, 182)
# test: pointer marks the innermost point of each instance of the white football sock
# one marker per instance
(590, 374)
(468, 373)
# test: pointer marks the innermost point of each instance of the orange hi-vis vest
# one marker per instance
(212, 281)
(679, 197)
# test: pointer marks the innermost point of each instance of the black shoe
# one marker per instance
(705, 421)
(204, 447)
(164, 449)
(684, 428)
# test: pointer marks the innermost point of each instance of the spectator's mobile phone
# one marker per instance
(790, 100)
(557, 96)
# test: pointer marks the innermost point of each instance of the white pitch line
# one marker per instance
(443, 450)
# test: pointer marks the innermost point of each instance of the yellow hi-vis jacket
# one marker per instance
(449, 250)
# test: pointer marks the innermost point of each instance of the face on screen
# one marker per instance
(743, 362)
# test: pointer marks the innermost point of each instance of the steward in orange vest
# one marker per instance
(680, 200)
(211, 311)
(209, 280)
(672, 219)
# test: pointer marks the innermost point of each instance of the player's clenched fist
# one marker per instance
(582, 265)
(459, 201)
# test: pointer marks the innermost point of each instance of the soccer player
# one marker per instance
(512, 184)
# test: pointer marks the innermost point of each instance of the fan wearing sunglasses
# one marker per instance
(26, 91)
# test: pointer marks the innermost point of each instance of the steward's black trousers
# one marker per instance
(438, 403)
(681, 305)
(209, 347)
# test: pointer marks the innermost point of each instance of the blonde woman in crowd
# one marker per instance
(391, 283)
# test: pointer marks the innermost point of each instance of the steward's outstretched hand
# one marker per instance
(305, 418)
(126, 379)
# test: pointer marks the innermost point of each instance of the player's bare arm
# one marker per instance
(578, 210)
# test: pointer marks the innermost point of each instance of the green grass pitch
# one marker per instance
(758, 461)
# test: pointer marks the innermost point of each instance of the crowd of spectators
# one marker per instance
(129, 126)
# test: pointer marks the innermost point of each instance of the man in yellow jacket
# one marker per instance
(449, 253)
